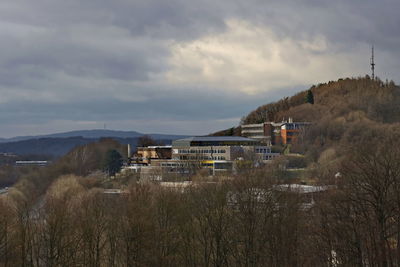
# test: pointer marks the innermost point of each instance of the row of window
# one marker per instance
(252, 128)
(220, 166)
(268, 157)
(293, 126)
(263, 150)
(174, 164)
(254, 134)
(201, 151)
(201, 158)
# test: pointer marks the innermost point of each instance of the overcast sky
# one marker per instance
(178, 66)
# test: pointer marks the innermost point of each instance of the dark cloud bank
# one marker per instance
(69, 65)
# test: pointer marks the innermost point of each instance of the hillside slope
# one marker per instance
(378, 101)
(344, 113)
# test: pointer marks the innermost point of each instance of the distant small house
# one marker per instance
(147, 154)
(308, 193)
(32, 163)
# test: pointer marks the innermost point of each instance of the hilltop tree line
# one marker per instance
(378, 99)
(374, 100)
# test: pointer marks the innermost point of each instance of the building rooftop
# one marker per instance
(155, 147)
(303, 189)
(214, 140)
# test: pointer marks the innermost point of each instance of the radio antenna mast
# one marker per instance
(373, 64)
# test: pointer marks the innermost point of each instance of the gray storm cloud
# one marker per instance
(178, 66)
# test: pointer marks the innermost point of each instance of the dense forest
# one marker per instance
(60, 215)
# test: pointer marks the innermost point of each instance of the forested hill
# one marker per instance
(345, 113)
(370, 99)
(336, 102)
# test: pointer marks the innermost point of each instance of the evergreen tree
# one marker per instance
(310, 97)
(112, 162)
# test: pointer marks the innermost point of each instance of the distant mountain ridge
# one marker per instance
(95, 134)
(59, 144)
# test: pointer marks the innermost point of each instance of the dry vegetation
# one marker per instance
(378, 100)
(345, 113)
(240, 222)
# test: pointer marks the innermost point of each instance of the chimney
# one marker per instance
(129, 151)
